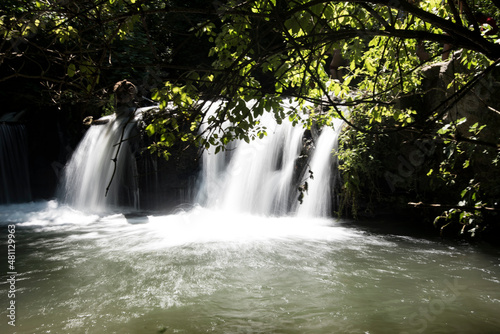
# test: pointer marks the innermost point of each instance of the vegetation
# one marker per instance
(253, 54)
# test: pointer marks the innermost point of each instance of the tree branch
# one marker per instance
(454, 11)
(115, 159)
(450, 206)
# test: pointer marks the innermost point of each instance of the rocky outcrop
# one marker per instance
(476, 102)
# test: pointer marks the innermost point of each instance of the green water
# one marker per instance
(204, 271)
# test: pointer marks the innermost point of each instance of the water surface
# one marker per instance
(204, 270)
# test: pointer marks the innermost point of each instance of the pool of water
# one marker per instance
(208, 271)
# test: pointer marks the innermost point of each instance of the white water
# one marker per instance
(258, 175)
(323, 164)
(262, 176)
(14, 167)
(91, 170)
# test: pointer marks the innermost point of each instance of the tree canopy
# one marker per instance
(243, 50)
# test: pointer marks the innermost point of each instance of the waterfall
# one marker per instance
(91, 169)
(262, 176)
(259, 177)
(14, 171)
(323, 164)
(259, 174)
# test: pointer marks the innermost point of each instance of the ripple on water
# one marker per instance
(203, 270)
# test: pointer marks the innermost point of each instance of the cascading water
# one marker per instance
(14, 170)
(323, 164)
(259, 177)
(262, 176)
(92, 168)
(259, 174)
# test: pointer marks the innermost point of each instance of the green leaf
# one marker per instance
(71, 70)
(150, 130)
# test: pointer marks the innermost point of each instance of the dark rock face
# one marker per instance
(479, 104)
(49, 133)
(14, 166)
(475, 103)
(166, 184)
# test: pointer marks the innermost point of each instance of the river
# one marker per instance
(201, 270)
